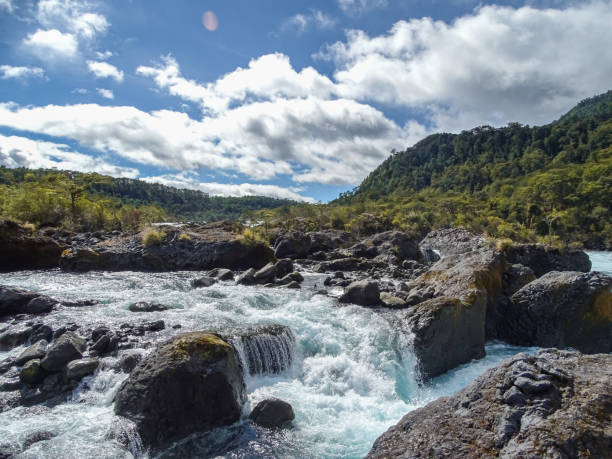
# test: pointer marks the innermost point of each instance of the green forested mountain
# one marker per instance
(551, 183)
(93, 201)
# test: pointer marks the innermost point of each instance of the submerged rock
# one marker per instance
(268, 349)
(203, 281)
(78, 369)
(145, 306)
(272, 412)
(191, 384)
(561, 309)
(557, 404)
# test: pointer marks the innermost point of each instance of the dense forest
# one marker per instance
(550, 183)
(84, 201)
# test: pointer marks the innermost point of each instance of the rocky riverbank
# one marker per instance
(447, 295)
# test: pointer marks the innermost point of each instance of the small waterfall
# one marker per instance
(266, 350)
(430, 255)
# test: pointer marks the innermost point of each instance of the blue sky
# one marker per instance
(290, 99)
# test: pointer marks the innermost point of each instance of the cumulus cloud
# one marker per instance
(23, 152)
(106, 93)
(496, 65)
(105, 70)
(301, 22)
(187, 180)
(18, 73)
(51, 44)
(104, 55)
(359, 6)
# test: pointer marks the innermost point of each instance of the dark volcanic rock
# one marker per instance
(35, 351)
(363, 293)
(283, 267)
(554, 405)
(40, 305)
(193, 383)
(24, 249)
(203, 281)
(20, 301)
(66, 348)
(543, 259)
(247, 277)
(14, 337)
(272, 412)
(78, 369)
(265, 274)
(214, 245)
(561, 309)
(145, 306)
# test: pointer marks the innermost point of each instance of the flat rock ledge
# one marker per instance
(556, 404)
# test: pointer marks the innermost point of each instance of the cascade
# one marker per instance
(266, 350)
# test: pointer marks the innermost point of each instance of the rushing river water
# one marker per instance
(351, 375)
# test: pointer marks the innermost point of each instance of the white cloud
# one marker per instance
(186, 180)
(9, 71)
(104, 55)
(74, 16)
(106, 93)
(52, 44)
(105, 70)
(301, 22)
(359, 6)
(80, 91)
(7, 5)
(23, 152)
(496, 65)
(268, 77)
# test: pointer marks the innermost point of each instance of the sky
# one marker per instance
(291, 99)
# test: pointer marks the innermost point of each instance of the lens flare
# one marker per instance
(210, 21)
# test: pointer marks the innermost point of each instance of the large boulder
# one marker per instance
(363, 293)
(543, 259)
(272, 412)
(561, 309)
(446, 332)
(21, 248)
(395, 243)
(556, 404)
(454, 241)
(35, 351)
(214, 245)
(66, 348)
(293, 245)
(191, 384)
(20, 301)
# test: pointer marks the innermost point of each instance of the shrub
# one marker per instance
(184, 237)
(503, 244)
(251, 236)
(153, 237)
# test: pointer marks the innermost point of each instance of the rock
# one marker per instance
(14, 300)
(35, 351)
(283, 267)
(265, 274)
(14, 337)
(361, 250)
(40, 305)
(272, 412)
(156, 325)
(36, 437)
(561, 309)
(293, 285)
(98, 332)
(516, 277)
(446, 333)
(32, 372)
(203, 281)
(212, 245)
(247, 277)
(40, 332)
(345, 264)
(293, 245)
(395, 243)
(543, 259)
(101, 345)
(328, 240)
(128, 362)
(193, 383)
(291, 277)
(66, 348)
(78, 369)
(390, 301)
(145, 306)
(454, 241)
(363, 293)
(24, 249)
(225, 274)
(555, 405)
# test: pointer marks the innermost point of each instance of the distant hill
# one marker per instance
(50, 197)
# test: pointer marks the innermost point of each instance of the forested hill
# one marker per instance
(82, 200)
(473, 160)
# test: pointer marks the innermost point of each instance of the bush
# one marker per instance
(153, 237)
(184, 237)
(503, 244)
(251, 236)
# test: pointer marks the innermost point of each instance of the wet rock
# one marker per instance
(40, 305)
(66, 348)
(291, 277)
(32, 372)
(272, 412)
(293, 285)
(145, 306)
(14, 300)
(98, 332)
(265, 274)
(543, 259)
(41, 332)
(554, 404)
(283, 267)
(78, 369)
(222, 274)
(14, 337)
(247, 277)
(193, 383)
(101, 345)
(36, 437)
(154, 326)
(35, 351)
(203, 281)
(128, 362)
(561, 309)
(391, 301)
(363, 293)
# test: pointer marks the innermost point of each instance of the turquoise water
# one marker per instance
(352, 377)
